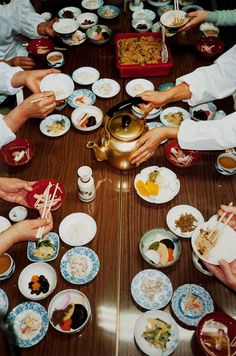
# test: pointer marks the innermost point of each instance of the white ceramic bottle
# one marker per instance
(86, 185)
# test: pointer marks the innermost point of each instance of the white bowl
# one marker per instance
(137, 24)
(37, 268)
(64, 298)
(144, 14)
(92, 4)
(168, 18)
(209, 29)
(61, 84)
(65, 26)
(89, 16)
(75, 11)
(78, 114)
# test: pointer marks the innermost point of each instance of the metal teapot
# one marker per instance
(119, 135)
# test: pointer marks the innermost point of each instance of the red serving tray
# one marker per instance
(137, 70)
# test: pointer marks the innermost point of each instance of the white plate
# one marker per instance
(3, 303)
(174, 214)
(138, 86)
(173, 109)
(161, 297)
(4, 224)
(49, 120)
(37, 268)
(77, 223)
(225, 247)
(75, 10)
(76, 39)
(92, 4)
(85, 75)
(81, 97)
(60, 83)
(18, 213)
(79, 113)
(16, 318)
(106, 88)
(167, 19)
(65, 26)
(141, 325)
(84, 275)
(144, 14)
(169, 184)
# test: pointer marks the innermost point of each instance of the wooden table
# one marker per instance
(121, 216)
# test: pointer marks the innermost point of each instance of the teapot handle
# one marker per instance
(120, 106)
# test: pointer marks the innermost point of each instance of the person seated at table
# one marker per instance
(202, 85)
(14, 191)
(12, 79)
(18, 17)
(219, 18)
(226, 272)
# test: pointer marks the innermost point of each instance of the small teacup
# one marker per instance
(55, 59)
(7, 266)
(226, 163)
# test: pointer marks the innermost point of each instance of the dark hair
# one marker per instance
(4, 2)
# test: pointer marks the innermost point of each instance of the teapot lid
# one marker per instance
(125, 127)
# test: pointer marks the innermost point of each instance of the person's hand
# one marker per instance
(147, 144)
(14, 190)
(155, 99)
(46, 28)
(229, 210)
(31, 78)
(225, 272)
(195, 18)
(24, 62)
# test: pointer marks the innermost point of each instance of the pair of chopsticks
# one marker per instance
(176, 7)
(59, 92)
(47, 207)
(217, 223)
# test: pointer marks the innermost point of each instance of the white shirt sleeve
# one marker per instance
(216, 81)
(208, 135)
(6, 135)
(29, 20)
(6, 74)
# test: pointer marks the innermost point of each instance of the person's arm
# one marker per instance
(6, 74)
(29, 20)
(23, 231)
(195, 19)
(14, 190)
(222, 17)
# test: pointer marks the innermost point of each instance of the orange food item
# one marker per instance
(147, 188)
(153, 188)
(171, 255)
(66, 326)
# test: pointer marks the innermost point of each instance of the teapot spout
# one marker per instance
(100, 153)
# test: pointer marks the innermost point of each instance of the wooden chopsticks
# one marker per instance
(56, 93)
(214, 228)
(176, 7)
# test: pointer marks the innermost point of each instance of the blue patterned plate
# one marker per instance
(151, 289)
(143, 323)
(81, 97)
(16, 324)
(53, 238)
(3, 303)
(79, 265)
(108, 11)
(190, 302)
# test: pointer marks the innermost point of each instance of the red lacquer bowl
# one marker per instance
(173, 146)
(40, 47)
(210, 47)
(40, 187)
(9, 152)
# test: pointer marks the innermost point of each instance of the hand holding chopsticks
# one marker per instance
(214, 228)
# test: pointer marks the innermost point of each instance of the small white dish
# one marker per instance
(55, 59)
(106, 88)
(85, 75)
(134, 7)
(207, 110)
(87, 19)
(138, 86)
(108, 12)
(142, 25)
(143, 323)
(79, 113)
(158, 3)
(173, 110)
(18, 213)
(144, 14)
(209, 29)
(65, 27)
(167, 181)
(168, 19)
(79, 265)
(77, 229)
(61, 301)
(37, 269)
(55, 125)
(4, 224)
(151, 289)
(70, 12)
(76, 39)
(4, 304)
(60, 83)
(92, 4)
(175, 213)
(225, 247)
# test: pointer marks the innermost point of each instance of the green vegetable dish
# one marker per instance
(158, 334)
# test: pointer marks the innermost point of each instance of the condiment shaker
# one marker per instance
(86, 185)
